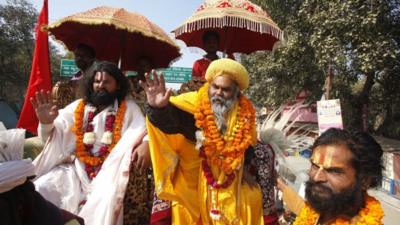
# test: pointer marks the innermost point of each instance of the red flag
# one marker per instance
(40, 77)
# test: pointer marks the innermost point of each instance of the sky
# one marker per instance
(168, 14)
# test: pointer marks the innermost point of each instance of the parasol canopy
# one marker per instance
(242, 26)
(116, 34)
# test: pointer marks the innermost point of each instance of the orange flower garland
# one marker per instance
(81, 152)
(371, 214)
(226, 153)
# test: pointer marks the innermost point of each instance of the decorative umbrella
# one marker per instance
(243, 26)
(117, 35)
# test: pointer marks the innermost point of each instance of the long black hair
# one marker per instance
(115, 72)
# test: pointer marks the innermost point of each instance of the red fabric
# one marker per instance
(161, 217)
(200, 67)
(40, 77)
(271, 219)
(232, 39)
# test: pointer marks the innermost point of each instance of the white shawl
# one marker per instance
(63, 180)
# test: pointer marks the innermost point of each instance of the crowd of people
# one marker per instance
(194, 158)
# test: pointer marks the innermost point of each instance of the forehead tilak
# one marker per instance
(323, 159)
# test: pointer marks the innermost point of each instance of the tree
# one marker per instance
(358, 38)
(17, 21)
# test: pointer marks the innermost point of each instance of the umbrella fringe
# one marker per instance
(115, 20)
(120, 26)
(229, 21)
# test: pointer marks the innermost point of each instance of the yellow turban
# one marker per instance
(230, 68)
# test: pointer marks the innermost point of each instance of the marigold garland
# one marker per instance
(225, 152)
(81, 151)
(371, 214)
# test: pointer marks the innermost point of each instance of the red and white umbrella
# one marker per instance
(242, 26)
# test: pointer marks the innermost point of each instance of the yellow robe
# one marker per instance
(179, 178)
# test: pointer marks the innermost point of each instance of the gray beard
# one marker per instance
(221, 108)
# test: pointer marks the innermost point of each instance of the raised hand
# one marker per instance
(45, 110)
(157, 94)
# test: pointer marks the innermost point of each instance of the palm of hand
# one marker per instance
(156, 96)
(46, 113)
(45, 110)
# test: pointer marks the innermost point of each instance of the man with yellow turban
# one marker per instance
(199, 142)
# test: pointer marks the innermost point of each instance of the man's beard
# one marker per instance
(221, 107)
(325, 201)
(102, 98)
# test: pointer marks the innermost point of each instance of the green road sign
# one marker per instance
(177, 74)
(68, 68)
(131, 73)
(171, 75)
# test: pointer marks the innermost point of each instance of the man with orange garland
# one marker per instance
(84, 166)
(344, 165)
(199, 142)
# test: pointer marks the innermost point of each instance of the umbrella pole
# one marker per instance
(121, 50)
(225, 42)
